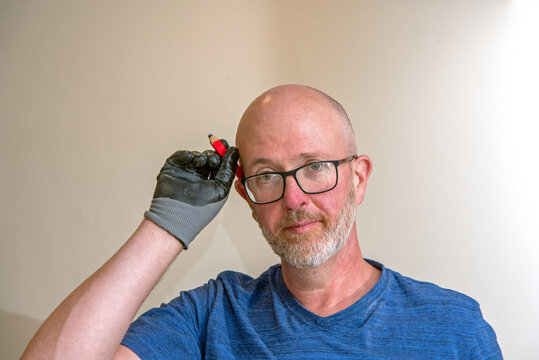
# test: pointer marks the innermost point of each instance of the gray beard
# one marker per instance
(312, 249)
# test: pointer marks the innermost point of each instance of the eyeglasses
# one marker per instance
(313, 178)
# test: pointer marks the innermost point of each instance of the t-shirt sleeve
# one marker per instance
(176, 330)
(484, 344)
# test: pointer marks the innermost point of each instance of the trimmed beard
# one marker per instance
(311, 249)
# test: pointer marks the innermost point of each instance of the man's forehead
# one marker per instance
(292, 125)
(292, 143)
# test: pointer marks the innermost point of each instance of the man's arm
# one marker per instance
(92, 321)
(124, 353)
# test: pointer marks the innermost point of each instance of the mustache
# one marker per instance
(299, 215)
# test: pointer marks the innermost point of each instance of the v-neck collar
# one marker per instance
(358, 309)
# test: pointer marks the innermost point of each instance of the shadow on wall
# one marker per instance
(15, 333)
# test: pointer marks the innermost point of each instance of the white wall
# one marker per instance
(442, 94)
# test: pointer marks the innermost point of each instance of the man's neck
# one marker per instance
(335, 285)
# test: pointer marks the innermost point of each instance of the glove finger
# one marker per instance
(224, 142)
(213, 159)
(227, 170)
(186, 164)
(199, 160)
(181, 157)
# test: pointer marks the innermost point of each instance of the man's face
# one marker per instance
(283, 134)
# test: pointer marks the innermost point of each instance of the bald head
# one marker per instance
(291, 107)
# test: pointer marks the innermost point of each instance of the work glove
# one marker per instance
(192, 187)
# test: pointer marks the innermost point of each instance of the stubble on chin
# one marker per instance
(296, 249)
(313, 248)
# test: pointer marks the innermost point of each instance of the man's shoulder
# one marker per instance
(419, 289)
(237, 277)
(241, 284)
(434, 314)
(426, 297)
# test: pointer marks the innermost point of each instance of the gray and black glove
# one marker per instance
(192, 187)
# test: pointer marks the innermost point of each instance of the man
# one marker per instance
(302, 181)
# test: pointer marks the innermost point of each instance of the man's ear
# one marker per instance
(240, 189)
(361, 171)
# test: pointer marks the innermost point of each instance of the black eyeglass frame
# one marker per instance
(285, 174)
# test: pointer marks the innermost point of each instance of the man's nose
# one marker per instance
(293, 197)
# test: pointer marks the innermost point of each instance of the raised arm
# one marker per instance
(91, 322)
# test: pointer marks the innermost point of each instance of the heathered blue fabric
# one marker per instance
(238, 317)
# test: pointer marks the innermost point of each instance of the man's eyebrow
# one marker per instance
(312, 155)
(261, 161)
(301, 156)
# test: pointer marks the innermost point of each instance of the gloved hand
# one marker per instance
(191, 189)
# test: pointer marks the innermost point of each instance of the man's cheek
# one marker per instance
(260, 219)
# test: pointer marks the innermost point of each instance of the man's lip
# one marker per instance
(301, 226)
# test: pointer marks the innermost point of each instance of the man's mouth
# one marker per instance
(300, 227)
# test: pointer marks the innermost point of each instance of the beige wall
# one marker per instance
(95, 95)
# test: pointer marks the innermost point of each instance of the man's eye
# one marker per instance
(316, 167)
(266, 178)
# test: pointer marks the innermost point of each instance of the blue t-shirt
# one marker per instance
(238, 317)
